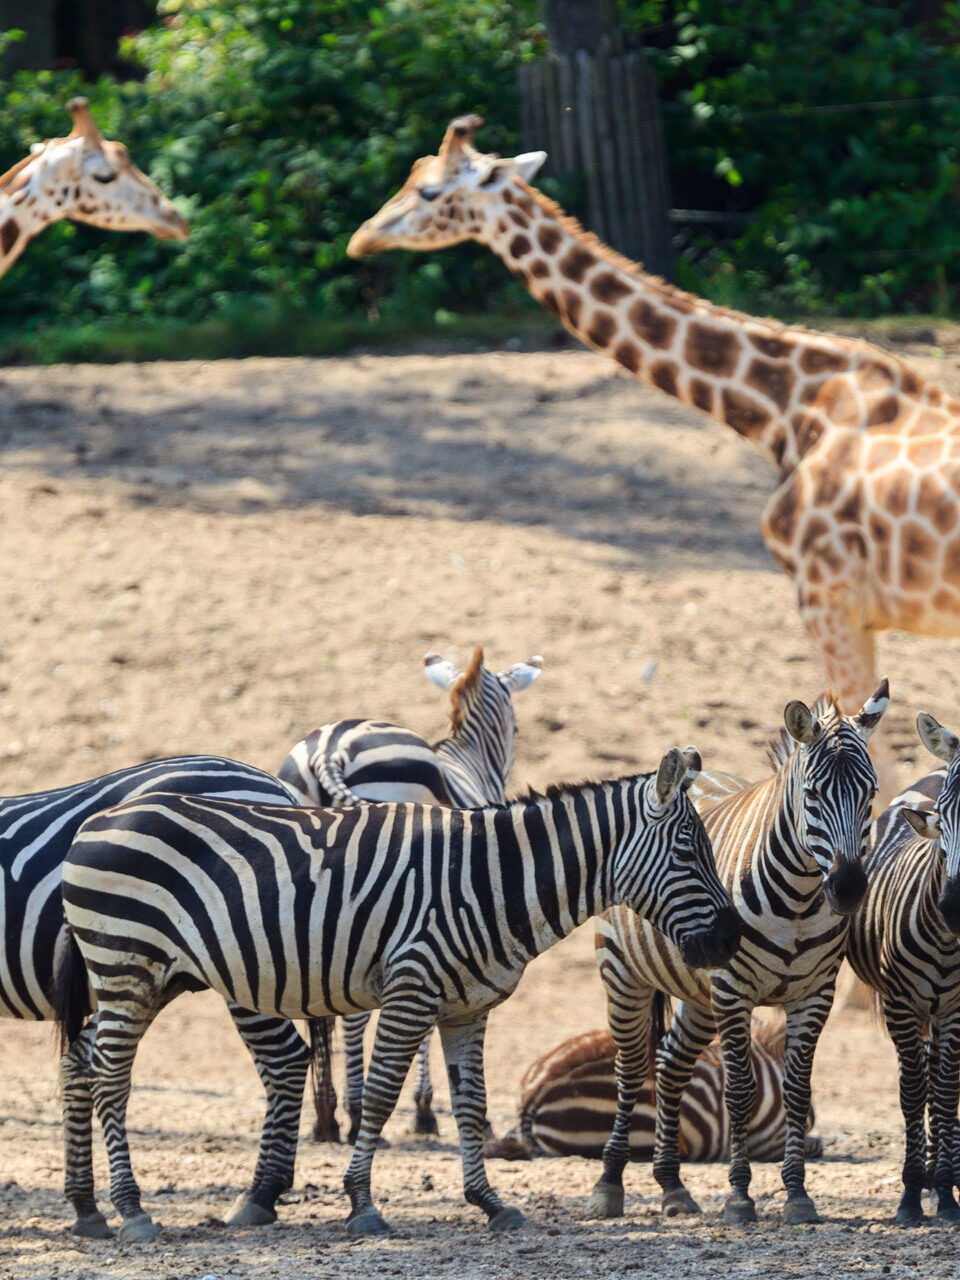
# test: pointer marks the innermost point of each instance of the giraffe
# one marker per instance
(865, 513)
(85, 178)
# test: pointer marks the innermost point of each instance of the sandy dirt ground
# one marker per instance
(219, 557)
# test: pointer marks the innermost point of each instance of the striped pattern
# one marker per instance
(352, 760)
(36, 832)
(786, 848)
(903, 943)
(568, 1103)
(429, 914)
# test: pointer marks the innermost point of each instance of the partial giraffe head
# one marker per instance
(834, 784)
(86, 178)
(444, 199)
(943, 823)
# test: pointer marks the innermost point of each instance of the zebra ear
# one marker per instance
(440, 672)
(869, 715)
(694, 764)
(801, 723)
(924, 822)
(670, 776)
(522, 674)
(938, 740)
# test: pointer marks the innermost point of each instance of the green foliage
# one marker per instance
(278, 125)
(837, 125)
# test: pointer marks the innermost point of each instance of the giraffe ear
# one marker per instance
(939, 741)
(801, 723)
(440, 672)
(503, 171)
(924, 823)
(870, 714)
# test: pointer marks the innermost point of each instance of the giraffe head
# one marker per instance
(446, 197)
(943, 823)
(88, 179)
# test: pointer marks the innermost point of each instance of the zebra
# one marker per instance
(904, 944)
(353, 760)
(789, 849)
(36, 831)
(429, 914)
(568, 1100)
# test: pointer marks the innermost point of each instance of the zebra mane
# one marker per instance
(780, 746)
(557, 790)
(469, 678)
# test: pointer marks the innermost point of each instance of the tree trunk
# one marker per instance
(573, 25)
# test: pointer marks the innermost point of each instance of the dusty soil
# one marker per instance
(220, 557)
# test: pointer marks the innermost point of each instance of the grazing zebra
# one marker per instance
(568, 1101)
(35, 833)
(904, 944)
(789, 849)
(429, 914)
(353, 760)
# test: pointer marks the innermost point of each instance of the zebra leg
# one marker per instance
(933, 1115)
(425, 1121)
(77, 1134)
(403, 1023)
(804, 1024)
(906, 1031)
(628, 1013)
(690, 1032)
(741, 1098)
(463, 1053)
(119, 1031)
(945, 1087)
(282, 1058)
(353, 1026)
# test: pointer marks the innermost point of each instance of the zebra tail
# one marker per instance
(325, 1128)
(661, 1011)
(71, 990)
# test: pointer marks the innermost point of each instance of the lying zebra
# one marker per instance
(789, 849)
(429, 914)
(568, 1101)
(905, 943)
(353, 760)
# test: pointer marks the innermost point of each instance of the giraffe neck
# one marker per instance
(18, 226)
(752, 375)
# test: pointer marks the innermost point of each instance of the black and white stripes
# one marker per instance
(429, 914)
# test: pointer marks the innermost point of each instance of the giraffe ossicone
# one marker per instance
(86, 178)
(865, 513)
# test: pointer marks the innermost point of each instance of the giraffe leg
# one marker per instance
(690, 1032)
(282, 1059)
(405, 1019)
(628, 1013)
(945, 1086)
(804, 1023)
(77, 1136)
(906, 1031)
(733, 1021)
(425, 1121)
(463, 1052)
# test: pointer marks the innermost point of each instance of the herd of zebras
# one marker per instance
(376, 871)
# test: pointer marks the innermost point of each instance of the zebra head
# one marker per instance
(831, 785)
(665, 871)
(484, 726)
(943, 824)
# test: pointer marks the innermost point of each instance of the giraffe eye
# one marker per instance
(104, 177)
(428, 193)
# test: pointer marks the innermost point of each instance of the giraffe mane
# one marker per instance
(780, 746)
(466, 681)
(7, 178)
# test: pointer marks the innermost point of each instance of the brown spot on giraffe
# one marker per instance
(883, 411)
(573, 305)
(815, 360)
(775, 381)
(775, 348)
(743, 414)
(548, 238)
(664, 375)
(939, 505)
(951, 563)
(712, 350)
(609, 288)
(576, 262)
(651, 326)
(9, 234)
(518, 219)
(507, 197)
(549, 300)
(602, 328)
(911, 382)
(527, 205)
(850, 510)
(539, 269)
(895, 494)
(854, 544)
(836, 399)
(782, 517)
(875, 376)
(520, 245)
(701, 395)
(807, 430)
(628, 355)
(814, 530)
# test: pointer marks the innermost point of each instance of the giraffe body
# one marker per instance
(865, 517)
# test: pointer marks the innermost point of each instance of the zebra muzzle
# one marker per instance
(714, 947)
(845, 885)
(949, 904)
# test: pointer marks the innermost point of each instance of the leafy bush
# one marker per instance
(279, 125)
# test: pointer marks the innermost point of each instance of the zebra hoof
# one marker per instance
(738, 1210)
(508, 1219)
(245, 1212)
(606, 1201)
(910, 1209)
(799, 1209)
(678, 1204)
(426, 1123)
(92, 1226)
(948, 1210)
(137, 1230)
(367, 1222)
